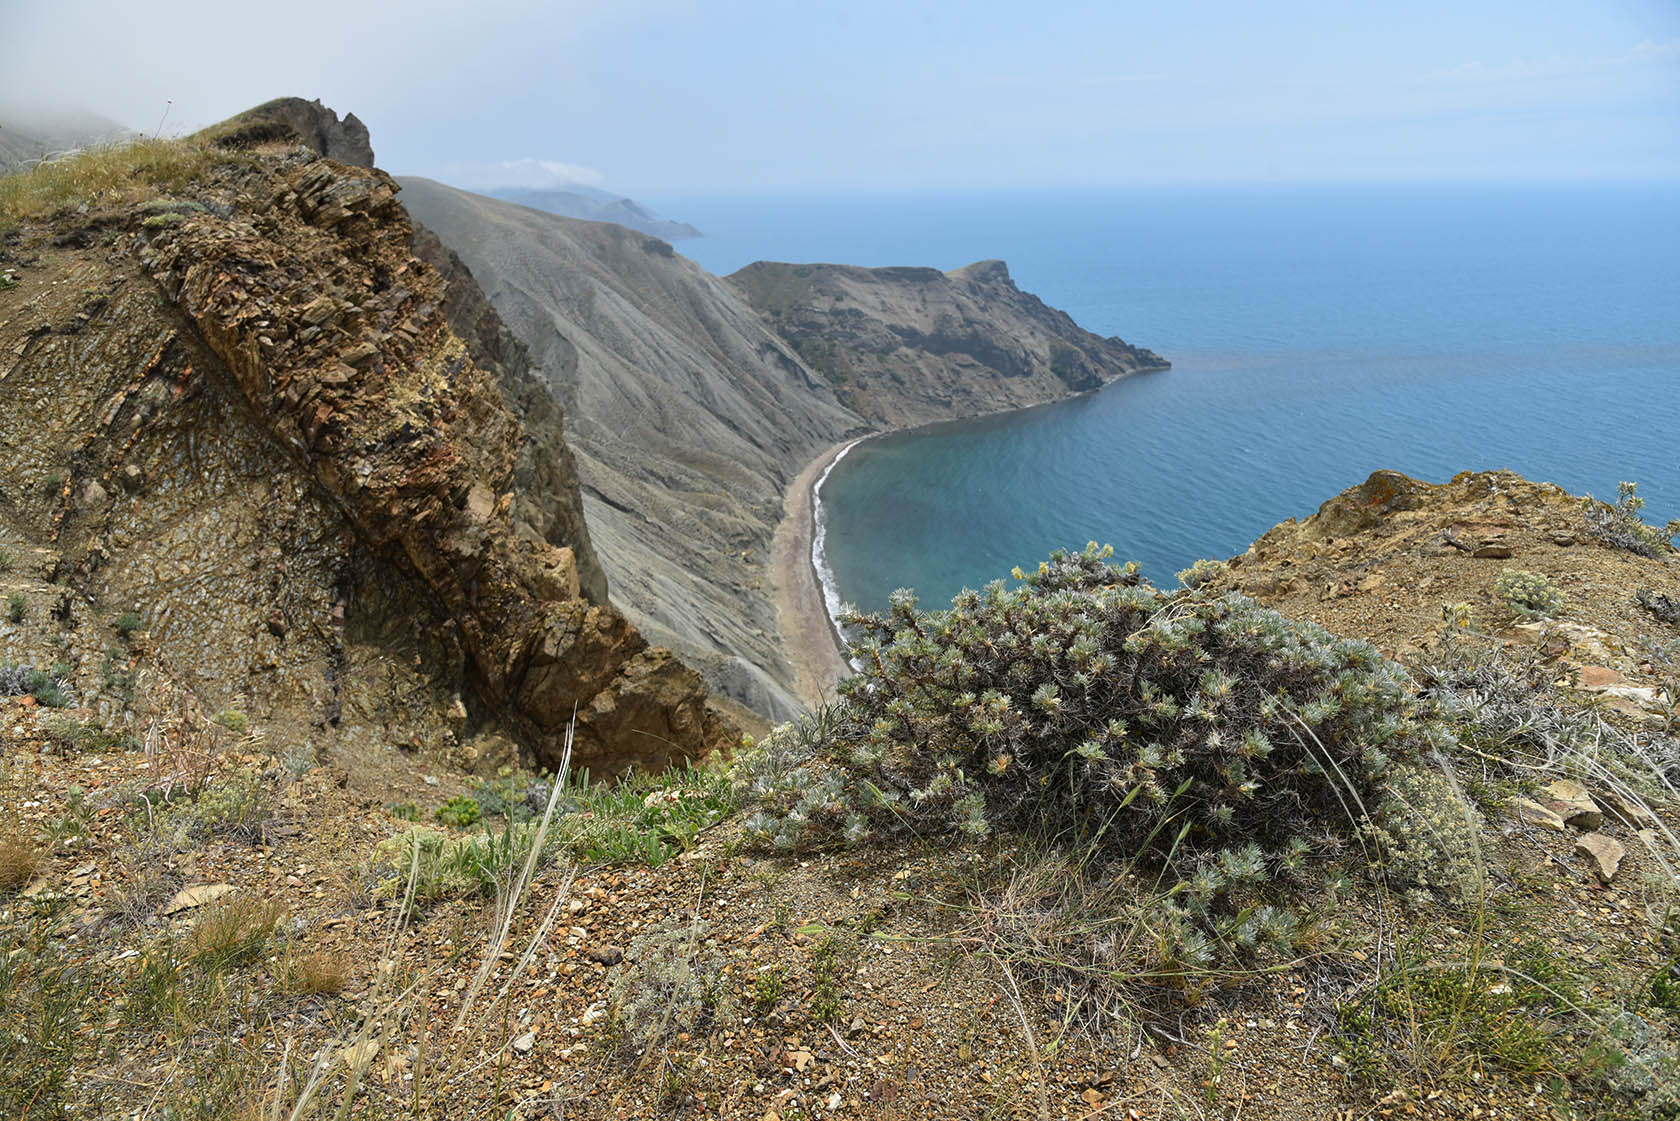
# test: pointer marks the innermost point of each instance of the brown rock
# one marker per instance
(1492, 552)
(578, 654)
(1600, 677)
(1604, 854)
(1366, 505)
(306, 122)
(1625, 810)
(1570, 801)
(654, 704)
(1536, 814)
(604, 955)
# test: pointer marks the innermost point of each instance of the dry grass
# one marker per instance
(233, 931)
(316, 973)
(20, 860)
(111, 175)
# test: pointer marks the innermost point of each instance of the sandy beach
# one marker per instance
(807, 632)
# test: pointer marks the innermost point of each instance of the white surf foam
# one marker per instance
(819, 556)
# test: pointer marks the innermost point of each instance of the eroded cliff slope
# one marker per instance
(688, 418)
(240, 408)
(691, 407)
(906, 346)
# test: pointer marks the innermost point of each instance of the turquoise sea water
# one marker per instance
(1316, 334)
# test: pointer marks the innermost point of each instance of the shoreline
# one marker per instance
(809, 635)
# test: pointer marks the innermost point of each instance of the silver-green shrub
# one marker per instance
(669, 981)
(1528, 594)
(1226, 743)
(1202, 572)
(1620, 524)
(1429, 832)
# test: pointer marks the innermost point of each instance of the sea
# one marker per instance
(1316, 334)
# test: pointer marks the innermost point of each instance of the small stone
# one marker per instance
(1596, 678)
(605, 955)
(1570, 801)
(1625, 810)
(525, 1042)
(1493, 552)
(196, 896)
(1603, 853)
(1535, 814)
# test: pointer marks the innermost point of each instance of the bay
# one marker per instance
(1317, 334)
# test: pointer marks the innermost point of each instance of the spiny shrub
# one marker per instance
(1217, 736)
(671, 978)
(1202, 572)
(1429, 833)
(1664, 608)
(1528, 594)
(1620, 524)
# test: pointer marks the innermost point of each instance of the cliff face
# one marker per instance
(694, 401)
(247, 414)
(686, 415)
(905, 346)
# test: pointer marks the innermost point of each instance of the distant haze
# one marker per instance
(685, 96)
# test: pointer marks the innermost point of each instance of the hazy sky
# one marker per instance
(673, 96)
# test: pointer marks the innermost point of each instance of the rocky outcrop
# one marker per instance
(547, 502)
(1401, 562)
(292, 119)
(325, 481)
(905, 346)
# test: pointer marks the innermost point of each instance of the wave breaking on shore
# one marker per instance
(832, 602)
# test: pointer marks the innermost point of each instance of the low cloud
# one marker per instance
(527, 172)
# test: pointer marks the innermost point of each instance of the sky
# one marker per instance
(673, 97)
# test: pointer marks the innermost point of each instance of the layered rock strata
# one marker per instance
(265, 434)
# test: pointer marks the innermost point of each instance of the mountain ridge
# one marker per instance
(592, 205)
